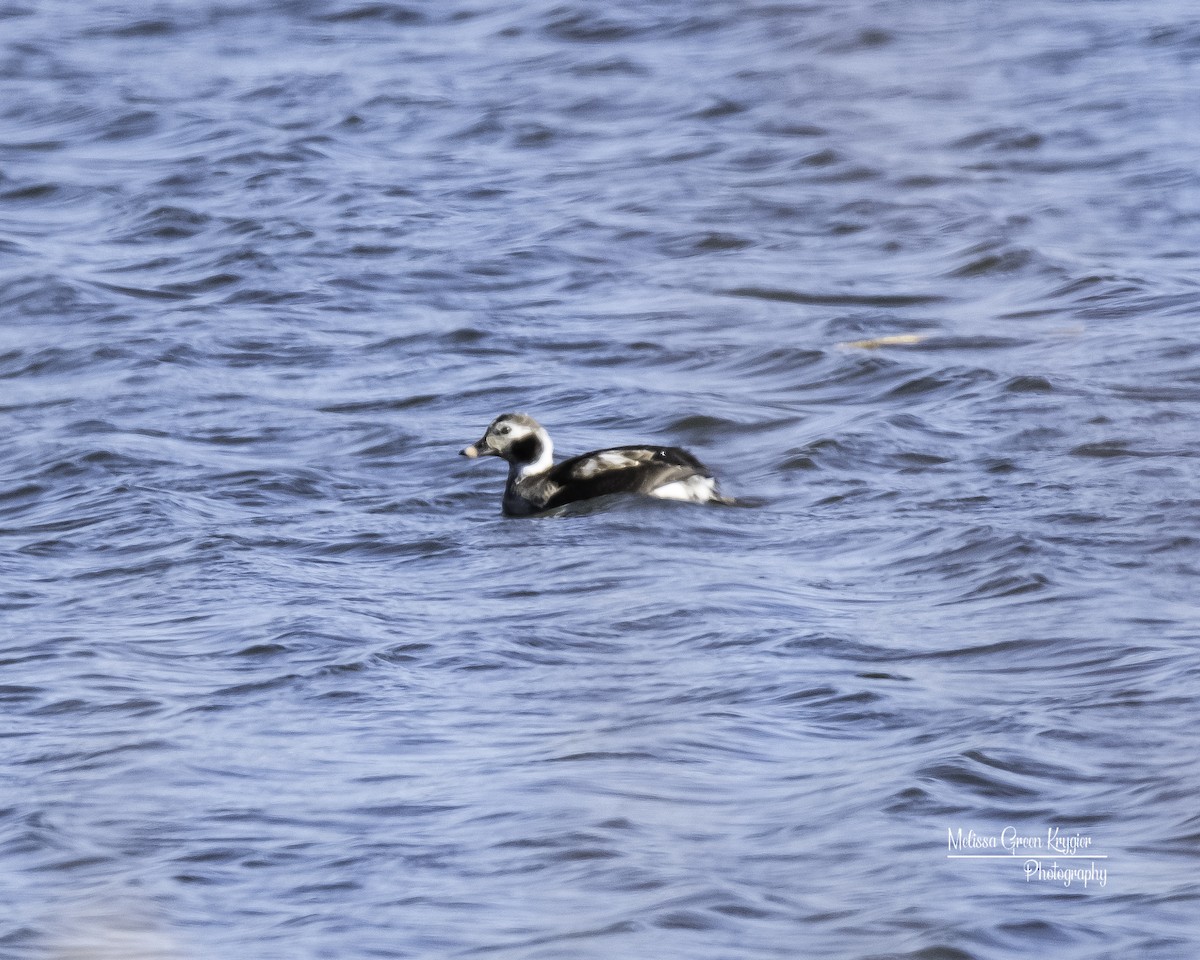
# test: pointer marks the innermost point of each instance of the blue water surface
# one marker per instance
(918, 281)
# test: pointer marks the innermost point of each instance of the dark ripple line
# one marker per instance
(835, 299)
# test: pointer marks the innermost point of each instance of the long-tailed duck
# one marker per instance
(535, 484)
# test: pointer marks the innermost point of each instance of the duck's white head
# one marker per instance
(518, 439)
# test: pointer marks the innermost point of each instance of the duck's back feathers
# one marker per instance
(621, 470)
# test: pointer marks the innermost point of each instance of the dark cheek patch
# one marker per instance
(527, 449)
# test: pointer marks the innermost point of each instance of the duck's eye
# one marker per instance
(504, 431)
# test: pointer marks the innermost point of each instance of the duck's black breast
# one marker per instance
(619, 470)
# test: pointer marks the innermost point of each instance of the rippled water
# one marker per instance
(918, 280)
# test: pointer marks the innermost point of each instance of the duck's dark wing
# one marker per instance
(620, 470)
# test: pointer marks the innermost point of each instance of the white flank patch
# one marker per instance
(695, 489)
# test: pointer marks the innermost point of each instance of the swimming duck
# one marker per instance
(536, 485)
